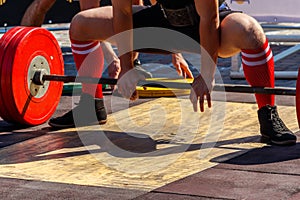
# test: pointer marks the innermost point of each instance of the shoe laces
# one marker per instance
(276, 121)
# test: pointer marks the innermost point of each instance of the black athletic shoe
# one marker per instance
(272, 127)
(84, 114)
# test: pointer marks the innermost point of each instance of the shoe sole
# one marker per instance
(62, 126)
(268, 140)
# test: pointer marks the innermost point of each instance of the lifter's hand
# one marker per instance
(181, 66)
(114, 69)
(201, 89)
(127, 83)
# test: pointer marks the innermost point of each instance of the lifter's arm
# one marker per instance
(209, 39)
(122, 21)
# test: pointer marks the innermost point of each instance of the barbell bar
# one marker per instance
(29, 93)
(175, 85)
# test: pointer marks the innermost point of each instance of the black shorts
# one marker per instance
(154, 17)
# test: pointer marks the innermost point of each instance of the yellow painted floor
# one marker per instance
(143, 147)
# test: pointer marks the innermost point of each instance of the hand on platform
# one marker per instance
(181, 66)
(201, 90)
(127, 83)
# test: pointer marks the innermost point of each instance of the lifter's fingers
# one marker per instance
(195, 106)
(184, 74)
(134, 96)
(128, 93)
(188, 73)
(201, 103)
(179, 71)
(208, 99)
(194, 100)
(132, 93)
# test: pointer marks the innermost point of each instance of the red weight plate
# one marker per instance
(6, 70)
(4, 43)
(298, 97)
(25, 108)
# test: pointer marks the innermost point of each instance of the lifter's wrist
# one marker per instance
(127, 61)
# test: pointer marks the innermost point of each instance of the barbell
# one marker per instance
(32, 77)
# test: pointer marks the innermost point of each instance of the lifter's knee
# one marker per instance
(243, 31)
(254, 35)
(77, 27)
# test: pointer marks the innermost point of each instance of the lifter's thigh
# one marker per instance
(92, 24)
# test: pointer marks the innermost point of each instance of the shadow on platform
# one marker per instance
(265, 155)
(44, 145)
(13, 133)
(28, 147)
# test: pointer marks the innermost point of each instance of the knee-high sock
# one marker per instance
(89, 61)
(258, 67)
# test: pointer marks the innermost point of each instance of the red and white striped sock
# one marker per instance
(258, 67)
(89, 61)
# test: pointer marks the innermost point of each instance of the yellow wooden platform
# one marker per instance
(143, 147)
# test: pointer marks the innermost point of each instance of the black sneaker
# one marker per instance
(272, 127)
(84, 114)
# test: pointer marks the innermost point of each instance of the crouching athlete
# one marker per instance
(221, 33)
